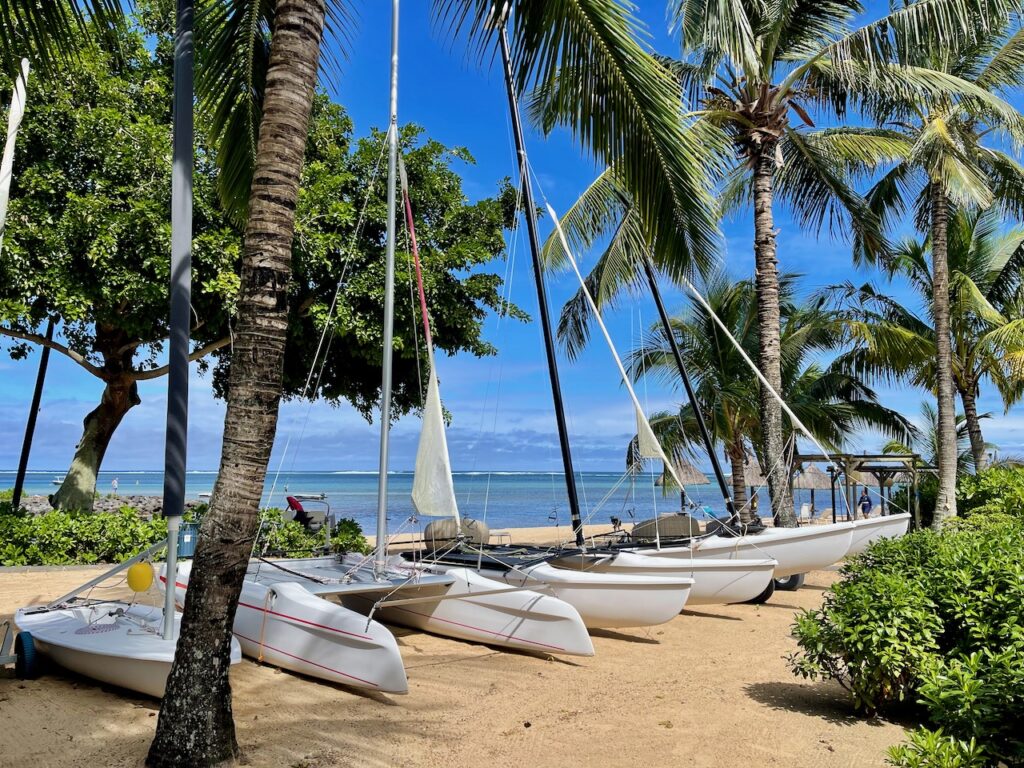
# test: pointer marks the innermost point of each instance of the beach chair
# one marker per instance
(805, 513)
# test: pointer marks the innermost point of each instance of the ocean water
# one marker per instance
(502, 499)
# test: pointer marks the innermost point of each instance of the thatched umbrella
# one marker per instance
(688, 475)
(812, 479)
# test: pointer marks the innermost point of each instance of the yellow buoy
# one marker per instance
(140, 577)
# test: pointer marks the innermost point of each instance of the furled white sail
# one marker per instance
(647, 444)
(433, 492)
(13, 123)
(647, 439)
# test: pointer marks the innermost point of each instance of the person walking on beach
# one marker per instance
(113, 484)
(864, 503)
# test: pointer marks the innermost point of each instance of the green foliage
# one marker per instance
(933, 749)
(927, 493)
(935, 618)
(65, 538)
(996, 490)
(278, 536)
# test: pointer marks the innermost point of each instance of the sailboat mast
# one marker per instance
(542, 299)
(666, 326)
(389, 307)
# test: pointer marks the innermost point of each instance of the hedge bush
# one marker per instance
(69, 538)
(934, 620)
(996, 490)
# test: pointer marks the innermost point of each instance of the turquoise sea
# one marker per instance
(502, 499)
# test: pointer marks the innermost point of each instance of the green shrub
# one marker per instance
(932, 749)
(278, 536)
(936, 619)
(927, 492)
(66, 538)
(998, 489)
(6, 494)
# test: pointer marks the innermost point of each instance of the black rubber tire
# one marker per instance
(26, 663)
(765, 596)
(791, 583)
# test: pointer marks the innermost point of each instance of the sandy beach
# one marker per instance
(711, 688)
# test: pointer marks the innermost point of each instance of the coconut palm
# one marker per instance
(53, 29)
(926, 441)
(258, 69)
(948, 154)
(986, 304)
(757, 71)
(830, 401)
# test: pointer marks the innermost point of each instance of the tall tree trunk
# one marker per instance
(969, 396)
(78, 490)
(738, 459)
(769, 337)
(196, 726)
(945, 500)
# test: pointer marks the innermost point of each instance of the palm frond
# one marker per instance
(52, 30)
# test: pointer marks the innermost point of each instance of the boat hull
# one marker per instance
(285, 625)
(715, 581)
(796, 550)
(872, 529)
(127, 651)
(604, 600)
(523, 620)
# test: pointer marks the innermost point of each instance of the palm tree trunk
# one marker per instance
(945, 501)
(769, 336)
(738, 459)
(196, 726)
(969, 397)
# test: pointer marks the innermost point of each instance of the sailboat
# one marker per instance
(286, 598)
(114, 641)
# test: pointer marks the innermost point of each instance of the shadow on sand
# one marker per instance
(826, 700)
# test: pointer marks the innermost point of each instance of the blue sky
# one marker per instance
(502, 416)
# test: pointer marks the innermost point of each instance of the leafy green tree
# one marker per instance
(88, 237)
(831, 402)
(926, 441)
(986, 325)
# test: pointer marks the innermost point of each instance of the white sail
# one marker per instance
(647, 439)
(433, 492)
(13, 123)
(647, 444)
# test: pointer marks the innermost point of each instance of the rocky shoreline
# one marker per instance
(147, 506)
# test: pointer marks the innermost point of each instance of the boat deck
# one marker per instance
(329, 576)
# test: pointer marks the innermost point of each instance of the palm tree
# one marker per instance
(926, 441)
(939, 153)
(258, 69)
(51, 30)
(986, 325)
(753, 68)
(830, 401)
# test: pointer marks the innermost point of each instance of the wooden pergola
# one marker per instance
(847, 471)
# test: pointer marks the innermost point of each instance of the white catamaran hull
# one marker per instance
(480, 610)
(113, 642)
(285, 625)
(715, 581)
(872, 529)
(796, 550)
(604, 600)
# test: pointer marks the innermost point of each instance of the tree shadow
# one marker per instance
(826, 700)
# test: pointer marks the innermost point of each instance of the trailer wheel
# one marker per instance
(791, 583)
(765, 596)
(26, 663)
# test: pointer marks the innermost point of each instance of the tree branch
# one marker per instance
(43, 342)
(156, 373)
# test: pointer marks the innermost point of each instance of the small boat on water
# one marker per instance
(110, 641)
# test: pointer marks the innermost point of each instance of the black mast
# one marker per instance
(701, 424)
(33, 411)
(542, 298)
